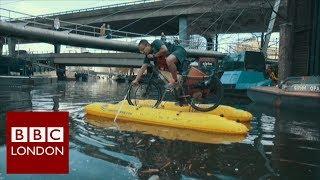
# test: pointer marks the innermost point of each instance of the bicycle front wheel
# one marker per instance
(208, 96)
(146, 94)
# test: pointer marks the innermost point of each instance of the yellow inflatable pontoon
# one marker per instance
(170, 133)
(186, 120)
(222, 110)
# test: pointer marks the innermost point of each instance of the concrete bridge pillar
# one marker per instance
(183, 29)
(209, 43)
(285, 51)
(212, 42)
(216, 42)
(57, 48)
(314, 62)
(12, 46)
(2, 41)
(61, 72)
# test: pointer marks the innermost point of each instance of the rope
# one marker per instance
(124, 99)
(234, 21)
(218, 18)
(231, 23)
(280, 16)
(146, 15)
(107, 16)
(198, 18)
(171, 19)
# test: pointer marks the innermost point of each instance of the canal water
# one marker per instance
(282, 144)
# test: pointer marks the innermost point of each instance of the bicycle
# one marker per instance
(202, 92)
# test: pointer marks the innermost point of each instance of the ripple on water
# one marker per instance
(279, 144)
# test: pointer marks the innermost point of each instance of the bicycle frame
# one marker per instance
(156, 74)
(193, 89)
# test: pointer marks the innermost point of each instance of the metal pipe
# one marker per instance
(59, 37)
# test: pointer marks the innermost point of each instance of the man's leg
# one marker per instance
(171, 61)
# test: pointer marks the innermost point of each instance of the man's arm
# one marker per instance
(162, 51)
(140, 72)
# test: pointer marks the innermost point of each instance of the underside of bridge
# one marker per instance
(253, 21)
(212, 16)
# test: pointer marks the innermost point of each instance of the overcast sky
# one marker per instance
(38, 7)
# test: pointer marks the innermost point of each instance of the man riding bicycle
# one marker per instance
(202, 92)
(174, 58)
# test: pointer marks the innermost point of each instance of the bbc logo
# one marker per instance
(37, 142)
(37, 134)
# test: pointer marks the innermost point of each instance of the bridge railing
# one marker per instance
(74, 28)
(96, 8)
(83, 29)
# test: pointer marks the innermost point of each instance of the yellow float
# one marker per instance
(205, 122)
(228, 112)
(165, 132)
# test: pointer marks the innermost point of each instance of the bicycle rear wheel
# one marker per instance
(146, 94)
(206, 95)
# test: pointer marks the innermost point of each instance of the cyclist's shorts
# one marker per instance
(181, 54)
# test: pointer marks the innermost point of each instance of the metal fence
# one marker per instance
(95, 8)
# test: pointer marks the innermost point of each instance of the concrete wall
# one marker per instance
(99, 59)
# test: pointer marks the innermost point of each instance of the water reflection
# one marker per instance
(290, 139)
(165, 132)
(169, 157)
(281, 144)
(14, 99)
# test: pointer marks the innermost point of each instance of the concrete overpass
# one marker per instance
(175, 15)
(91, 59)
(183, 17)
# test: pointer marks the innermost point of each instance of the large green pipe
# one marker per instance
(59, 37)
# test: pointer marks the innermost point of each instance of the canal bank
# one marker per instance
(14, 81)
(15, 91)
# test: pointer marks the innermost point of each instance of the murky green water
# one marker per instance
(282, 144)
